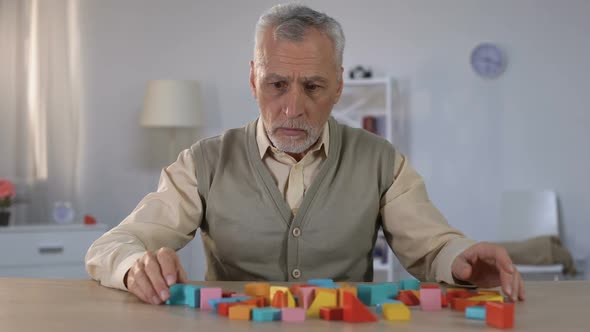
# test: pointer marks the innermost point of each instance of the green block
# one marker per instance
(182, 294)
(410, 284)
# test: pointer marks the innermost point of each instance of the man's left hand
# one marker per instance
(488, 265)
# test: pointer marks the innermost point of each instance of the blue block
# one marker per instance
(182, 294)
(380, 305)
(476, 312)
(324, 283)
(266, 314)
(372, 295)
(410, 284)
(214, 302)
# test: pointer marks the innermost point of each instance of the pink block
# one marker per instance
(306, 296)
(293, 315)
(209, 294)
(238, 295)
(430, 299)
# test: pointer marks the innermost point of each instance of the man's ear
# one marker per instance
(253, 78)
(340, 86)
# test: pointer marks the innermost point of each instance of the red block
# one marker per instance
(223, 308)
(459, 304)
(330, 313)
(355, 311)
(443, 301)
(408, 298)
(227, 294)
(457, 294)
(500, 315)
(280, 300)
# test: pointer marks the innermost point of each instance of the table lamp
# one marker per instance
(172, 104)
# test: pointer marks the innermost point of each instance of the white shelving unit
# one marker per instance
(371, 98)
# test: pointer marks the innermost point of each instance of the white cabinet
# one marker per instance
(46, 251)
(367, 103)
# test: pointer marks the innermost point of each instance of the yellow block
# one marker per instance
(351, 290)
(326, 290)
(290, 299)
(487, 298)
(240, 312)
(255, 289)
(321, 300)
(488, 292)
(396, 311)
(343, 285)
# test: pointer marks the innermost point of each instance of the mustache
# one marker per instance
(292, 124)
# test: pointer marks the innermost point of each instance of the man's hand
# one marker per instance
(488, 265)
(152, 274)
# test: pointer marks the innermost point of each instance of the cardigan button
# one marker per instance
(296, 273)
(296, 232)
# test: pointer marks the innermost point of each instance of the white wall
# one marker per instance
(470, 138)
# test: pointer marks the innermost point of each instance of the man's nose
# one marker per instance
(294, 104)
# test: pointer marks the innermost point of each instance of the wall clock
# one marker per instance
(488, 60)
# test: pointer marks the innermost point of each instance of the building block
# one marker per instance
(238, 295)
(183, 294)
(351, 290)
(409, 284)
(258, 289)
(430, 299)
(500, 315)
(258, 302)
(429, 286)
(343, 284)
(324, 283)
(226, 293)
(327, 313)
(266, 314)
(488, 292)
(240, 312)
(460, 304)
(457, 293)
(279, 300)
(408, 298)
(208, 294)
(372, 294)
(321, 300)
(396, 312)
(293, 315)
(476, 312)
(355, 311)
(287, 293)
(487, 298)
(223, 308)
(295, 288)
(380, 305)
(306, 296)
(214, 303)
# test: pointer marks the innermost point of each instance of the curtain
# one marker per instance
(40, 104)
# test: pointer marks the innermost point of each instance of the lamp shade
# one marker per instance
(171, 103)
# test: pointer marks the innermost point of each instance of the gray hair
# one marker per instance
(291, 22)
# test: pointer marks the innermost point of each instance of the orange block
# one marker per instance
(256, 301)
(500, 315)
(240, 312)
(295, 288)
(355, 311)
(330, 313)
(488, 292)
(223, 308)
(258, 289)
(279, 300)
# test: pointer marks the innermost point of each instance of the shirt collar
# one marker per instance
(264, 143)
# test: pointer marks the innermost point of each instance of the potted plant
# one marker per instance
(7, 194)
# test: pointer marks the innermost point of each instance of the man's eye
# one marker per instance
(279, 85)
(312, 87)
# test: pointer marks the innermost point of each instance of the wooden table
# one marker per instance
(83, 305)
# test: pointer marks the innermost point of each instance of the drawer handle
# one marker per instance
(51, 249)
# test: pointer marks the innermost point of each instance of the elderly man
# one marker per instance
(293, 195)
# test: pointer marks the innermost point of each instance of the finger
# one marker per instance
(152, 269)
(461, 268)
(145, 285)
(168, 263)
(506, 283)
(135, 290)
(515, 286)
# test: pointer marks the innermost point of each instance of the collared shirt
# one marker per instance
(417, 232)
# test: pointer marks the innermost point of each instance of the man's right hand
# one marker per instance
(152, 274)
